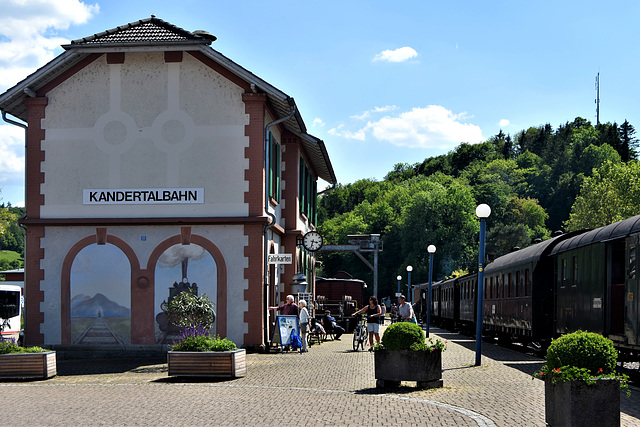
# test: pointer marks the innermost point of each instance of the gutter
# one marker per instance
(272, 219)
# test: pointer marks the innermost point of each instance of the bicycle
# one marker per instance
(360, 335)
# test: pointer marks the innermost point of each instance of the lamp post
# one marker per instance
(482, 211)
(409, 270)
(399, 280)
(431, 249)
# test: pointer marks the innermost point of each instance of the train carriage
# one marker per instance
(468, 303)
(518, 294)
(597, 285)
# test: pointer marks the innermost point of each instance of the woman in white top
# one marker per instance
(304, 324)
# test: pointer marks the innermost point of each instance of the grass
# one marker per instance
(10, 256)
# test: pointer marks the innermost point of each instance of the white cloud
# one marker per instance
(28, 33)
(399, 55)
(432, 127)
(318, 122)
(368, 113)
(504, 123)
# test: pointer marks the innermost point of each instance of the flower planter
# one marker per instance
(393, 366)
(575, 403)
(225, 364)
(28, 365)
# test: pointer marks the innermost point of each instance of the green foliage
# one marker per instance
(204, 343)
(187, 310)
(585, 350)
(611, 194)
(402, 335)
(7, 347)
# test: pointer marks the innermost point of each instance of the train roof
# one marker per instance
(608, 232)
(523, 256)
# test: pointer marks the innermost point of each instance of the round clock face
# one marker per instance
(312, 241)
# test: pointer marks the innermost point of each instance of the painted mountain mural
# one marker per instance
(97, 306)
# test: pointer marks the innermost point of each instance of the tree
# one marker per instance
(629, 141)
(611, 194)
(188, 310)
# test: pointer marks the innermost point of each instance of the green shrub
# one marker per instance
(7, 347)
(584, 350)
(204, 343)
(187, 310)
(401, 335)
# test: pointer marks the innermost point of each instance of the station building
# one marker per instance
(154, 162)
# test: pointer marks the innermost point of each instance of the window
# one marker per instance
(517, 283)
(527, 283)
(575, 271)
(563, 272)
(510, 286)
(632, 262)
(307, 192)
(274, 168)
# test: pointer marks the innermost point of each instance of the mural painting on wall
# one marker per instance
(179, 268)
(100, 296)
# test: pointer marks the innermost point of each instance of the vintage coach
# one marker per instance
(155, 164)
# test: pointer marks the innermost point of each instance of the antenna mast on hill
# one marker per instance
(598, 98)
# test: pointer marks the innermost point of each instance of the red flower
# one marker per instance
(600, 370)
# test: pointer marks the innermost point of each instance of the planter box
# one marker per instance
(574, 403)
(229, 364)
(393, 366)
(28, 365)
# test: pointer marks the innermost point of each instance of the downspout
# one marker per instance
(272, 219)
(23, 126)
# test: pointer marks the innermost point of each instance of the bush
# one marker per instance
(584, 350)
(188, 310)
(402, 335)
(204, 343)
(7, 347)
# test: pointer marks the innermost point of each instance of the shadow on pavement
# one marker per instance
(69, 367)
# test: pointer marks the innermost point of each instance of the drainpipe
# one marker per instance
(272, 219)
(23, 126)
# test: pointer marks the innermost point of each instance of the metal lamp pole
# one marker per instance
(409, 270)
(399, 280)
(482, 211)
(431, 249)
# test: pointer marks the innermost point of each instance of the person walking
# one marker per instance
(373, 319)
(304, 324)
(405, 311)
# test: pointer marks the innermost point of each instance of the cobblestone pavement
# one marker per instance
(328, 386)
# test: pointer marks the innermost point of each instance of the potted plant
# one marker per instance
(581, 383)
(26, 362)
(199, 353)
(405, 355)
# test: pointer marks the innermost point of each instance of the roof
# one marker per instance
(613, 231)
(523, 256)
(155, 34)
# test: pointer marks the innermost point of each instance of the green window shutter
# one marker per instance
(278, 157)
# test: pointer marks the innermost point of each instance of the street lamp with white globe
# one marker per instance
(431, 249)
(409, 270)
(482, 211)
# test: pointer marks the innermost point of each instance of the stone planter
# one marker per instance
(225, 364)
(575, 403)
(28, 365)
(393, 366)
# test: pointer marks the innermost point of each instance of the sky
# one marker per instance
(380, 82)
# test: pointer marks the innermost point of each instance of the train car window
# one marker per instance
(492, 288)
(632, 262)
(510, 286)
(517, 283)
(527, 283)
(575, 271)
(563, 272)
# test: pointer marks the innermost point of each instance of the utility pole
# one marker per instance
(598, 98)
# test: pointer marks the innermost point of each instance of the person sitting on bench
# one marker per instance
(331, 326)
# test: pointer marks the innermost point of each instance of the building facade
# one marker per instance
(153, 162)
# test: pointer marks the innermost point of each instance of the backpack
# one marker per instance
(296, 342)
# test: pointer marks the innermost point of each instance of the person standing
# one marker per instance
(404, 310)
(373, 319)
(304, 324)
(288, 309)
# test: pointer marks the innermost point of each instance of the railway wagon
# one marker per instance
(518, 294)
(468, 302)
(596, 283)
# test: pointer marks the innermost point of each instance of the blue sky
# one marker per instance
(380, 82)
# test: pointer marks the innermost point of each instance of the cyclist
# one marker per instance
(374, 313)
